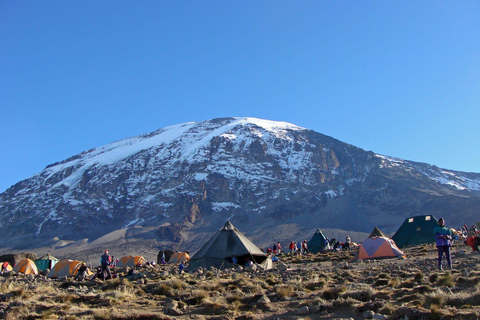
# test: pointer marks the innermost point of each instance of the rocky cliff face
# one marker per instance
(258, 173)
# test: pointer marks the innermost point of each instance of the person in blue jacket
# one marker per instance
(444, 242)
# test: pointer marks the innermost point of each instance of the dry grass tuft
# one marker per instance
(333, 293)
(394, 282)
(436, 298)
(433, 278)
(387, 309)
(424, 289)
(419, 277)
(284, 291)
(364, 294)
(315, 285)
(446, 280)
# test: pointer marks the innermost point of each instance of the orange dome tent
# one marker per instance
(65, 268)
(179, 257)
(131, 261)
(378, 247)
(26, 266)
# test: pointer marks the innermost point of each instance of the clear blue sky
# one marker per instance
(400, 78)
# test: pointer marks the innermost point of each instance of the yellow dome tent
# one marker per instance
(26, 266)
(9, 267)
(178, 257)
(131, 261)
(65, 268)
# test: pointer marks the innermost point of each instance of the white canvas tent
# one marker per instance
(228, 245)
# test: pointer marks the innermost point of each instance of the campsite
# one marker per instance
(377, 280)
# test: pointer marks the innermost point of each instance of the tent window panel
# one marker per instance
(410, 220)
(418, 228)
(427, 218)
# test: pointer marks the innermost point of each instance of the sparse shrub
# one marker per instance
(364, 294)
(316, 285)
(436, 312)
(163, 289)
(197, 297)
(463, 299)
(433, 278)
(382, 295)
(387, 309)
(216, 307)
(101, 314)
(446, 280)
(344, 302)
(234, 297)
(178, 284)
(284, 291)
(333, 293)
(407, 284)
(436, 297)
(272, 280)
(382, 282)
(394, 282)
(419, 277)
(424, 289)
(411, 298)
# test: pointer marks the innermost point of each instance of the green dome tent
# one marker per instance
(46, 262)
(415, 231)
(317, 243)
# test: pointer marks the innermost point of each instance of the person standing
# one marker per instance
(292, 248)
(348, 241)
(279, 247)
(305, 247)
(443, 236)
(105, 261)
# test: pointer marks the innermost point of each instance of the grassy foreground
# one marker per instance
(321, 286)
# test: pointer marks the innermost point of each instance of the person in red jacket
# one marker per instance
(292, 248)
(474, 243)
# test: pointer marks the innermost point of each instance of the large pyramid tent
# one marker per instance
(228, 243)
(377, 233)
(415, 231)
(317, 243)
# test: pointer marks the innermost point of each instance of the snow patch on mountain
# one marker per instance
(452, 178)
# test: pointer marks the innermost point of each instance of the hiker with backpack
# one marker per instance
(444, 237)
(106, 261)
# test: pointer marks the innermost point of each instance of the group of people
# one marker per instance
(293, 248)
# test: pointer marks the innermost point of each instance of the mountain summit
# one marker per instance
(177, 183)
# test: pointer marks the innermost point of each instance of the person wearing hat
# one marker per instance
(443, 236)
(105, 261)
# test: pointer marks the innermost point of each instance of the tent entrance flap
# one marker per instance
(242, 260)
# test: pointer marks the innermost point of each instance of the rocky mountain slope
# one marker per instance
(274, 180)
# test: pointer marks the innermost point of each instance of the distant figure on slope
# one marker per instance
(473, 242)
(444, 242)
(279, 247)
(105, 261)
(305, 247)
(181, 267)
(292, 248)
(348, 241)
